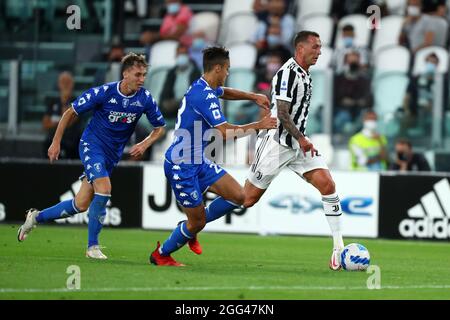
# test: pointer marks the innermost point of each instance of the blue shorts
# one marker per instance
(190, 181)
(96, 163)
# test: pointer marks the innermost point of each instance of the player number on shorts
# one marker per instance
(216, 167)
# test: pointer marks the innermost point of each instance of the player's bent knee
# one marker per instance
(328, 187)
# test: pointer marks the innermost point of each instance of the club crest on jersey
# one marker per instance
(194, 195)
(98, 167)
(125, 103)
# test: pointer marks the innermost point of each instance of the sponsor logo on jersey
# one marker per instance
(430, 217)
(136, 104)
(123, 117)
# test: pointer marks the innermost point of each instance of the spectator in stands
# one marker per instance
(348, 40)
(265, 74)
(277, 29)
(419, 97)
(199, 42)
(368, 147)
(112, 72)
(55, 109)
(422, 30)
(406, 159)
(174, 26)
(178, 80)
(352, 93)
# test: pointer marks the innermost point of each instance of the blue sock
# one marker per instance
(177, 239)
(63, 209)
(97, 213)
(218, 208)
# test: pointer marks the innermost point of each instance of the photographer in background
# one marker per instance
(407, 160)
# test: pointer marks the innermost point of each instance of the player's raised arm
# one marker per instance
(53, 151)
(235, 94)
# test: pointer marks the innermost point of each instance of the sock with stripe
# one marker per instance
(179, 237)
(333, 212)
(63, 209)
(97, 213)
(218, 208)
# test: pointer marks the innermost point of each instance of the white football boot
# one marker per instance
(335, 261)
(94, 252)
(30, 223)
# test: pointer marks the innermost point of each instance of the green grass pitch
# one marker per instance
(232, 266)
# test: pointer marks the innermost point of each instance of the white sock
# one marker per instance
(333, 212)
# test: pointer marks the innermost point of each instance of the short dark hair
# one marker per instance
(348, 27)
(213, 56)
(405, 142)
(303, 36)
(132, 59)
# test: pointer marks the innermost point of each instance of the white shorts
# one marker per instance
(271, 157)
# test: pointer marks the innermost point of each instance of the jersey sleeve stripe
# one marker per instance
(278, 84)
(290, 83)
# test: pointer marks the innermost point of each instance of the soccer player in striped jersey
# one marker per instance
(116, 107)
(288, 144)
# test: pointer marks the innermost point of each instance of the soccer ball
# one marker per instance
(355, 257)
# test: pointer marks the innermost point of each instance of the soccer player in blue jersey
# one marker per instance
(189, 172)
(116, 107)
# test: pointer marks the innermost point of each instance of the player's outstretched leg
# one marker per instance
(63, 209)
(322, 180)
(97, 213)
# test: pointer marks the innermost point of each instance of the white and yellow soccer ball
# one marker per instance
(355, 257)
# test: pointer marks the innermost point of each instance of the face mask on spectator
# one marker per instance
(402, 156)
(198, 44)
(370, 125)
(173, 8)
(182, 60)
(430, 68)
(413, 11)
(273, 40)
(348, 42)
(354, 67)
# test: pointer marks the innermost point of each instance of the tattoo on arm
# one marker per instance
(286, 121)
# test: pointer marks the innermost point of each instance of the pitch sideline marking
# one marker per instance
(251, 288)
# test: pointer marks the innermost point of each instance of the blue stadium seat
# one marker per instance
(236, 113)
(239, 28)
(322, 24)
(155, 81)
(389, 90)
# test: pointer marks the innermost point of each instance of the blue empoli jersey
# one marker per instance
(199, 111)
(115, 116)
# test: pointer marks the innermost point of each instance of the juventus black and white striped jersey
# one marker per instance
(292, 84)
